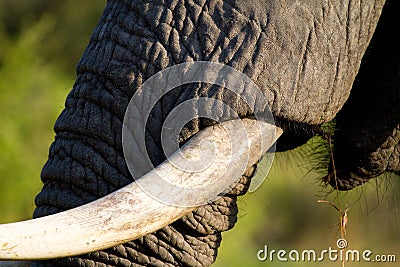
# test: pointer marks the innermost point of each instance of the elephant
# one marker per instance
(315, 62)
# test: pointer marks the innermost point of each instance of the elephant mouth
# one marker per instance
(130, 212)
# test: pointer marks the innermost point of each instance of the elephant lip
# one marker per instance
(344, 181)
(130, 213)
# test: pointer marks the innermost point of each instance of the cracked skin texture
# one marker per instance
(367, 136)
(303, 56)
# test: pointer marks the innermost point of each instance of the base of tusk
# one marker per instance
(134, 211)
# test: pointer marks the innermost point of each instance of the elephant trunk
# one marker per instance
(131, 44)
(286, 48)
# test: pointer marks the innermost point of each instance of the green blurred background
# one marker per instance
(40, 43)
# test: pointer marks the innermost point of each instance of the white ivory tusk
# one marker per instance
(130, 212)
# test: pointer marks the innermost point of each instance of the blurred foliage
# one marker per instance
(68, 23)
(41, 42)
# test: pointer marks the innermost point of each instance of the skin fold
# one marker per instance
(304, 57)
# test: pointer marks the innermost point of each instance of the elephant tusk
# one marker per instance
(130, 212)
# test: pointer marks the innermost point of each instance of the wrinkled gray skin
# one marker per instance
(305, 56)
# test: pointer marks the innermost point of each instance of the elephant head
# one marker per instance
(313, 62)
